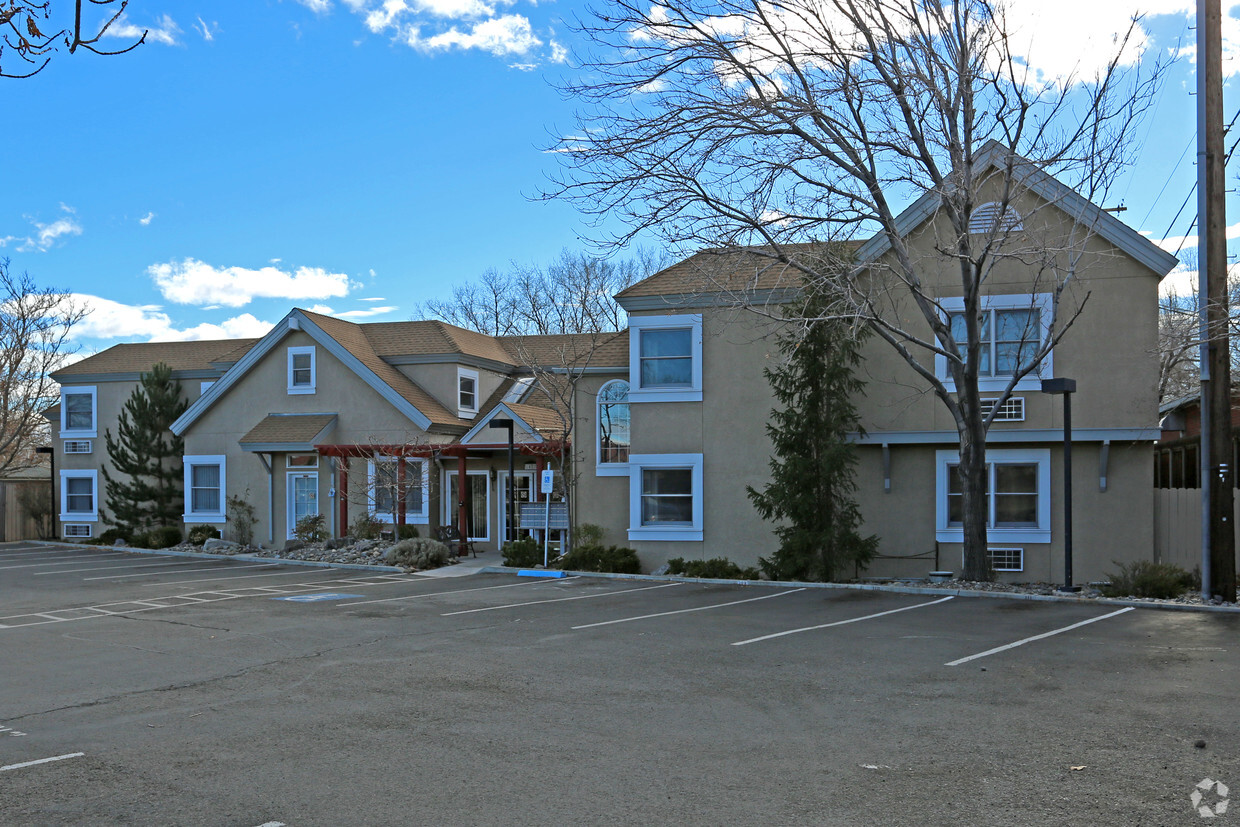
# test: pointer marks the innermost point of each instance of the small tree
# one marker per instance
(31, 31)
(147, 487)
(813, 467)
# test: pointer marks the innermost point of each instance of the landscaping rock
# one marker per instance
(218, 546)
(293, 545)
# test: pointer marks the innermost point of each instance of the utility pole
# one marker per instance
(1218, 542)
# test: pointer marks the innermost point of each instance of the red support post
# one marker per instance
(400, 492)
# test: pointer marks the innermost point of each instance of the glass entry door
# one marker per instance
(477, 503)
(303, 498)
(524, 490)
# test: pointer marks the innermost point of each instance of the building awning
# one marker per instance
(289, 432)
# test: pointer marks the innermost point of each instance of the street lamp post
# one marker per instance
(51, 455)
(1066, 387)
(506, 424)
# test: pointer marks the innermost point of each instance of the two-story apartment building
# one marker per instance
(664, 423)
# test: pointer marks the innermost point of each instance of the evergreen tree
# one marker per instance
(813, 465)
(146, 456)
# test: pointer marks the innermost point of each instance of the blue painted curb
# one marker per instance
(541, 573)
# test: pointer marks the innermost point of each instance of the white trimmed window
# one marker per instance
(1013, 329)
(79, 496)
(665, 497)
(1018, 496)
(302, 461)
(78, 413)
(466, 392)
(614, 428)
(386, 489)
(665, 358)
(204, 489)
(301, 369)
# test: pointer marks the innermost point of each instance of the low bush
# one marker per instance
(365, 527)
(588, 534)
(109, 537)
(716, 568)
(613, 559)
(1148, 579)
(406, 532)
(199, 534)
(311, 528)
(419, 553)
(165, 536)
(523, 553)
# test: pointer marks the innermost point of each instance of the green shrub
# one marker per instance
(419, 553)
(242, 517)
(1148, 579)
(523, 553)
(109, 537)
(613, 559)
(365, 527)
(716, 568)
(165, 536)
(588, 534)
(199, 534)
(311, 528)
(406, 532)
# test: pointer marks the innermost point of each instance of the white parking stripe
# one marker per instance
(1005, 647)
(41, 761)
(453, 591)
(42, 565)
(686, 611)
(839, 622)
(215, 567)
(298, 570)
(557, 600)
(112, 567)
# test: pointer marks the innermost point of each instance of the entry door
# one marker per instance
(525, 485)
(303, 498)
(477, 503)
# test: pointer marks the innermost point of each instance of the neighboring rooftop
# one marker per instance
(735, 270)
(141, 357)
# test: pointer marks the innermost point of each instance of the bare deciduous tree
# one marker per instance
(727, 123)
(34, 340)
(33, 31)
(571, 295)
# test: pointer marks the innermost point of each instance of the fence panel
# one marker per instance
(1177, 526)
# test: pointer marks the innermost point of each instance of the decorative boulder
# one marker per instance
(219, 546)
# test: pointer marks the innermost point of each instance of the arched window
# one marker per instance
(613, 422)
(991, 217)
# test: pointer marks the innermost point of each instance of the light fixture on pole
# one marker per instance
(506, 424)
(1066, 387)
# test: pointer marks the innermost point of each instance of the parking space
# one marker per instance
(640, 701)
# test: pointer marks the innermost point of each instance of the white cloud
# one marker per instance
(559, 53)
(373, 298)
(164, 31)
(317, 6)
(507, 35)
(107, 319)
(195, 282)
(207, 30)
(1179, 282)
(1176, 243)
(367, 313)
(46, 235)
(146, 220)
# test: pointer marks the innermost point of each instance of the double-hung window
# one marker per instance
(78, 413)
(1012, 331)
(388, 487)
(665, 497)
(466, 393)
(1017, 495)
(665, 358)
(79, 495)
(204, 489)
(301, 370)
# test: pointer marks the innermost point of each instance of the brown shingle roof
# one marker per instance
(576, 349)
(288, 428)
(354, 339)
(140, 357)
(732, 271)
(432, 337)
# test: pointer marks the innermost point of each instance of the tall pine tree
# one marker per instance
(146, 490)
(813, 465)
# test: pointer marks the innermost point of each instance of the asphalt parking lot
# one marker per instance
(159, 690)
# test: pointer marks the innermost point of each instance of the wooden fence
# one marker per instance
(1177, 526)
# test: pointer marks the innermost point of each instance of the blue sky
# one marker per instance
(360, 156)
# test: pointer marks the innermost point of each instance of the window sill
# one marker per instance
(667, 533)
(92, 434)
(301, 391)
(997, 535)
(669, 395)
(203, 518)
(1030, 382)
(611, 469)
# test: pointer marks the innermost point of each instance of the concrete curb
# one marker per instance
(877, 587)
